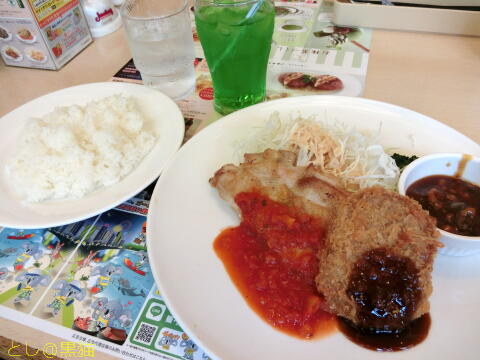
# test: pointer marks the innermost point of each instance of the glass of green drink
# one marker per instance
(236, 37)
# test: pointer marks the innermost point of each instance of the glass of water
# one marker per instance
(160, 38)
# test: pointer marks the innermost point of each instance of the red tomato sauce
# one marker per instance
(271, 258)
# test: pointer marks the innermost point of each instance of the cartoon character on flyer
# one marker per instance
(141, 262)
(142, 259)
(107, 311)
(86, 260)
(30, 250)
(168, 339)
(189, 345)
(106, 272)
(66, 293)
(29, 281)
(55, 255)
(56, 252)
(142, 238)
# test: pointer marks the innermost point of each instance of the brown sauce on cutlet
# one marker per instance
(386, 291)
(412, 335)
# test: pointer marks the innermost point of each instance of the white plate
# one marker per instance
(163, 118)
(186, 214)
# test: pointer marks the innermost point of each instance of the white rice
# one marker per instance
(75, 150)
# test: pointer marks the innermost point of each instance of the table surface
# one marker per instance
(437, 75)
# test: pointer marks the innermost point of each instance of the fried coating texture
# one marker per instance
(372, 228)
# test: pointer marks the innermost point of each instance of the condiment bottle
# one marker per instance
(102, 16)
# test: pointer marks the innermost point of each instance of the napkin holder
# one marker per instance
(408, 15)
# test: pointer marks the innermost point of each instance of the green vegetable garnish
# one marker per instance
(307, 79)
(403, 160)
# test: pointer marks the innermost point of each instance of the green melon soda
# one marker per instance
(236, 39)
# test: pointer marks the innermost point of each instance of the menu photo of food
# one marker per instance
(77, 18)
(293, 26)
(285, 10)
(51, 34)
(336, 37)
(12, 53)
(5, 35)
(26, 35)
(57, 50)
(299, 80)
(36, 55)
(314, 83)
(204, 87)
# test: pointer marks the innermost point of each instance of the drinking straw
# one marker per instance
(253, 10)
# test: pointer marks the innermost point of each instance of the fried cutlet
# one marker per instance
(375, 267)
(274, 174)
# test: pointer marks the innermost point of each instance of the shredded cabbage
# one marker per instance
(337, 149)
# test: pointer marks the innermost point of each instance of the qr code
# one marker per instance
(145, 333)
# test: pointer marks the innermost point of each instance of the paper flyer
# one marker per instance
(90, 282)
